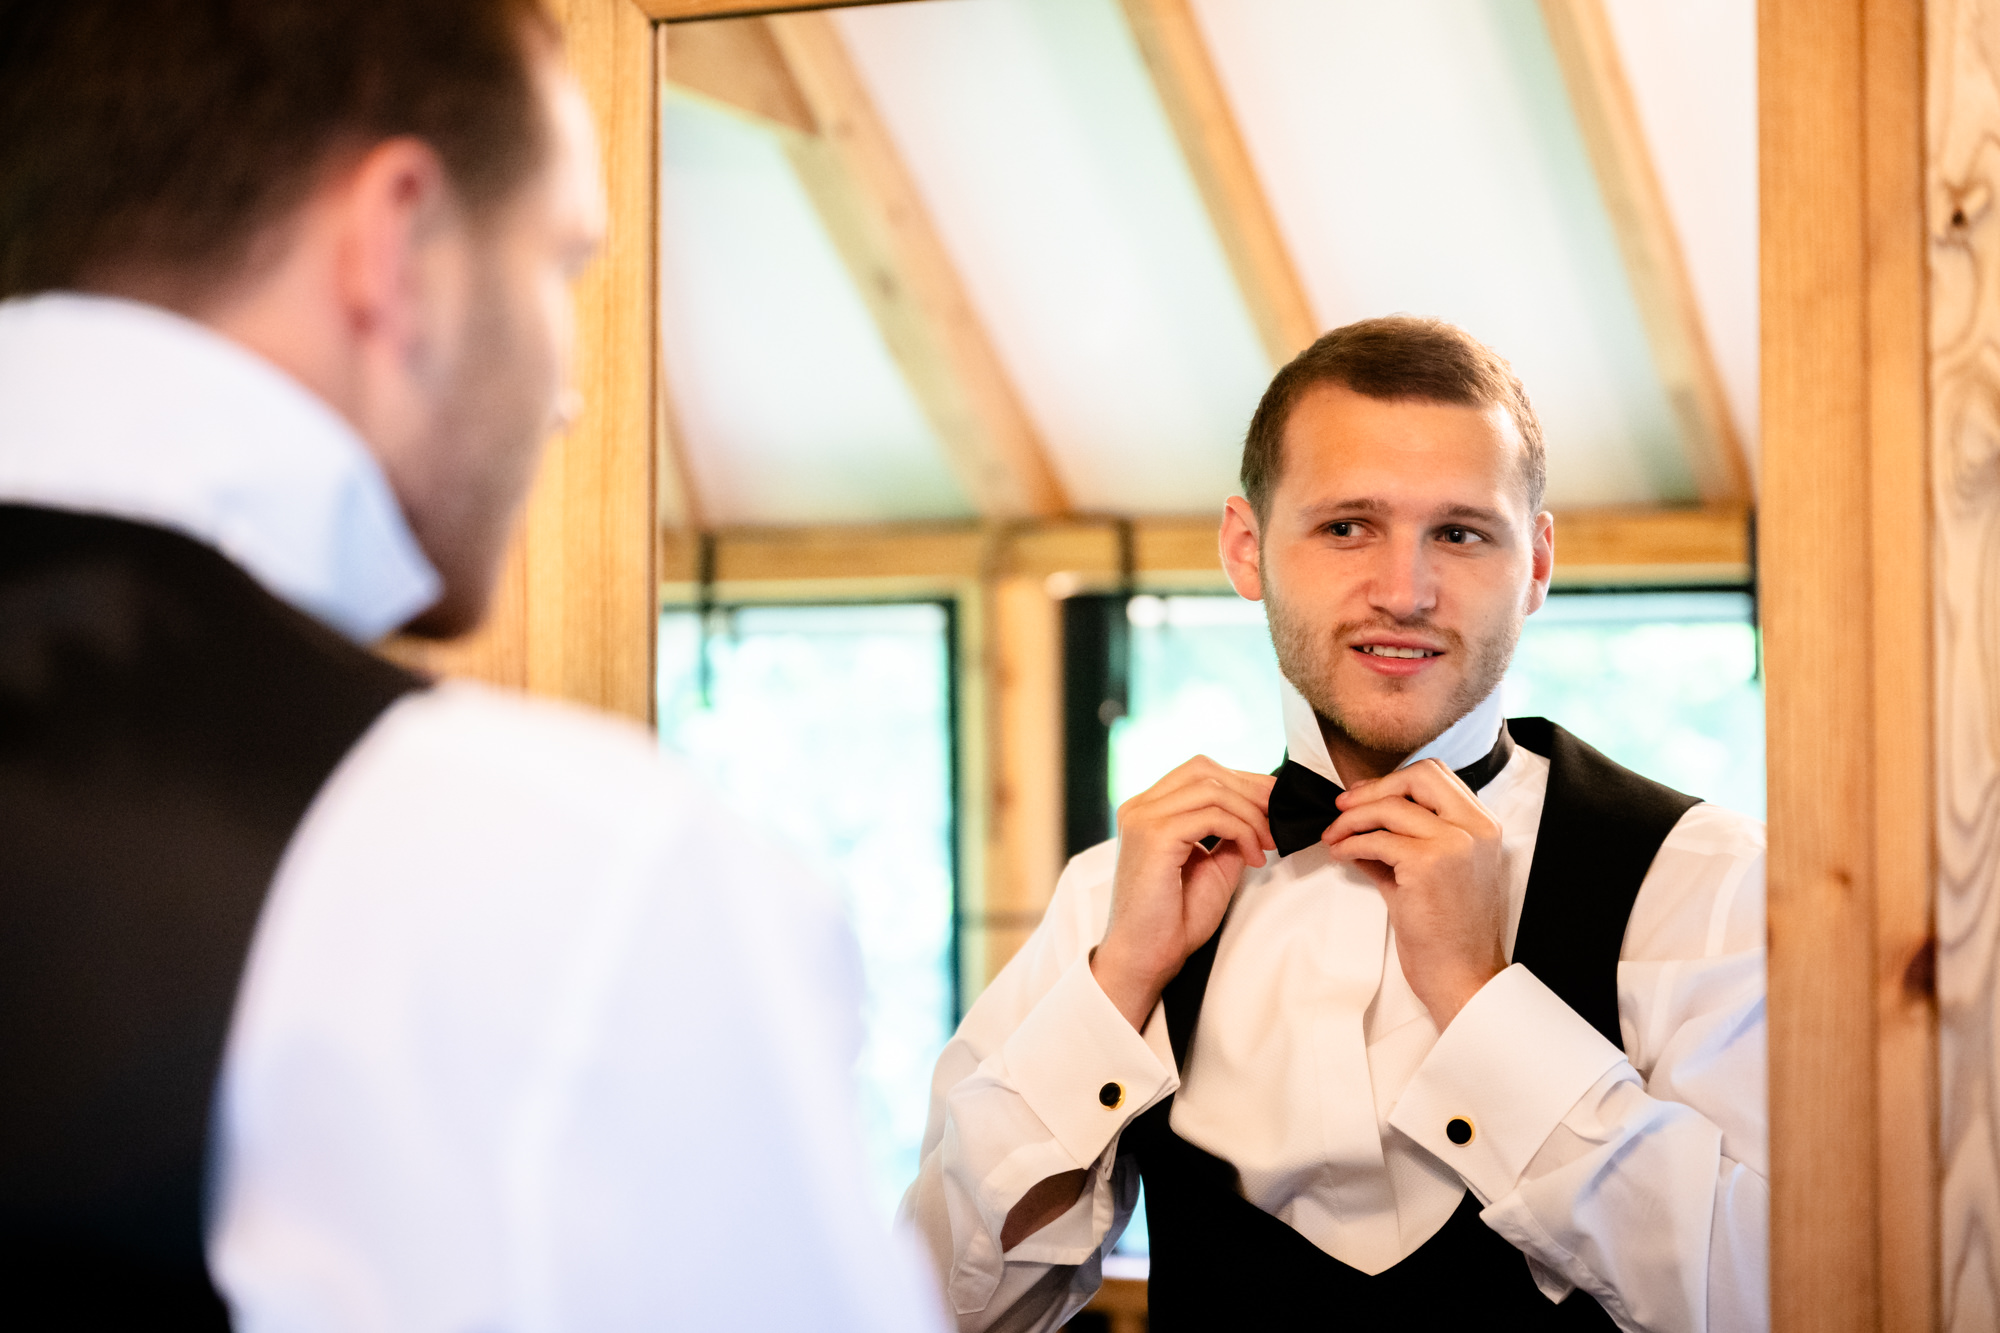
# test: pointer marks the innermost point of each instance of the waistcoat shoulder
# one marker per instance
(164, 724)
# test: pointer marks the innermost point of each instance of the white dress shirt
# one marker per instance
(531, 1036)
(1638, 1175)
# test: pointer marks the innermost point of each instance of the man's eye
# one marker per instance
(1460, 536)
(1341, 529)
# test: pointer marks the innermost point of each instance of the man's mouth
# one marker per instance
(1388, 650)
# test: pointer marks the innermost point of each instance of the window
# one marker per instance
(830, 727)
(1666, 683)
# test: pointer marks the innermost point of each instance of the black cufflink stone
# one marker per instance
(1112, 1095)
(1458, 1129)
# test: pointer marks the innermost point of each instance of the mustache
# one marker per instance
(1349, 630)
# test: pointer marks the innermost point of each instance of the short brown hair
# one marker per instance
(1397, 356)
(168, 134)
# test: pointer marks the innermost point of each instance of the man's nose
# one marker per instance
(1404, 583)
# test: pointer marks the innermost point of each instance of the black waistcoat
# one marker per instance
(164, 723)
(1219, 1261)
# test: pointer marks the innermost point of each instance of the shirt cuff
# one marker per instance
(1080, 1066)
(1500, 1079)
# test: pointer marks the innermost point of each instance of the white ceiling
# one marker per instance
(1419, 156)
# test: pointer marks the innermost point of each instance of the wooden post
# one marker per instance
(1845, 592)
(575, 609)
(1024, 831)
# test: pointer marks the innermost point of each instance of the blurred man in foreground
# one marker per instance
(364, 1003)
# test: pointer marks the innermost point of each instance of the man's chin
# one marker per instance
(1398, 725)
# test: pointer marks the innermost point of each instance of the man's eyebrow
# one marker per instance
(1326, 509)
(1473, 514)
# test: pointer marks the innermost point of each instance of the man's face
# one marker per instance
(504, 385)
(1397, 563)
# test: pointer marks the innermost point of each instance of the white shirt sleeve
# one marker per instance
(1642, 1180)
(1020, 1095)
(531, 1037)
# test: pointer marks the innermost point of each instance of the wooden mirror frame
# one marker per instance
(1868, 600)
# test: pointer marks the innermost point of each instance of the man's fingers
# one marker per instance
(1190, 828)
(1201, 769)
(1429, 784)
(1391, 849)
(1151, 807)
(1394, 814)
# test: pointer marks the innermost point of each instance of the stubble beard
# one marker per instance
(1309, 655)
(491, 426)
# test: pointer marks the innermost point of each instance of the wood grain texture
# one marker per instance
(878, 221)
(1024, 831)
(1817, 589)
(676, 496)
(574, 617)
(1844, 531)
(1905, 1007)
(1964, 172)
(1587, 51)
(1176, 55)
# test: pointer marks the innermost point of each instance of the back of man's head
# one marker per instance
(152, 144)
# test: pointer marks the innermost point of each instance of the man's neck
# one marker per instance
(1356, 762)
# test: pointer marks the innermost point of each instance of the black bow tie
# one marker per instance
(1302, 801)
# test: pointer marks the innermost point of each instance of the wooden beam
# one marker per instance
(1639, 547)
(1653, 546)
(795, 78)
(878, 221)
(1191, 92)
(740, 66)
(1587, 51)
(574, 615)
(682, 11)
(1845, 557)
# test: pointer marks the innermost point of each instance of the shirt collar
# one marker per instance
(116, 408)
(1464, 742)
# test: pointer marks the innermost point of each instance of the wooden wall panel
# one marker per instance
(574, 617)
(1844, 592)
(1964, 172)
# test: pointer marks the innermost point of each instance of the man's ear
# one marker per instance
(1242, 554)
(396, 200)
(1542, 558)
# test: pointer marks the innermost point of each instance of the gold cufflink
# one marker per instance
(1111, 1096)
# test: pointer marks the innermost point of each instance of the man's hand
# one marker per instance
(1168, 893)
(1435, 852)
